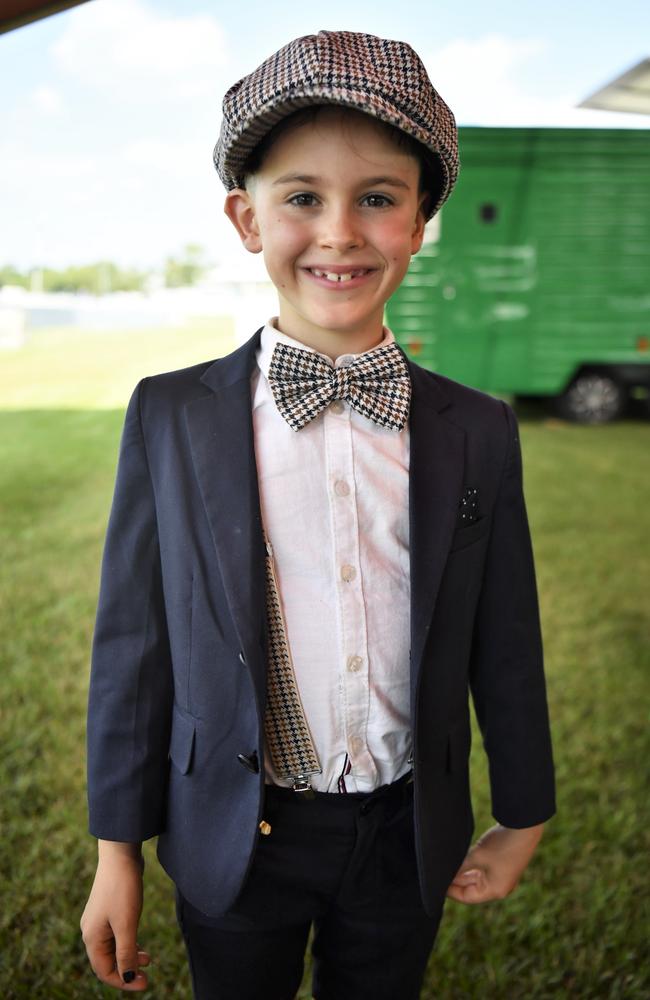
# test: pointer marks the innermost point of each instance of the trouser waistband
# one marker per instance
(339, 799)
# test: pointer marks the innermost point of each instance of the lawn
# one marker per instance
(579, 923)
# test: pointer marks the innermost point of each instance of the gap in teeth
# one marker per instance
(337, 277)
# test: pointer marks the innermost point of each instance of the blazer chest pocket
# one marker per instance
(468, 535)
(181, 745)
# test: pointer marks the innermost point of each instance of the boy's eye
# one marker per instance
(377, 200)
(303, 199)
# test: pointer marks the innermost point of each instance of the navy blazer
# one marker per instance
(177, 688)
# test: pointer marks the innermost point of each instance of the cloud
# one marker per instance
(483, 81)
(135, 203)
(31, 169)
(131, 175)
(178, 160)
(47, 100)
(126, 48)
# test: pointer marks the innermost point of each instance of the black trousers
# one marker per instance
(345, 863)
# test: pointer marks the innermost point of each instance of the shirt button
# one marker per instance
(354, 663)
(341, 488)
(337, 406)
(356, 744)
(348, 573)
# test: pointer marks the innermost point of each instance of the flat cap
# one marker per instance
(378, 76)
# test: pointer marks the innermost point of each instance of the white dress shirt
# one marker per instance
(334, 499)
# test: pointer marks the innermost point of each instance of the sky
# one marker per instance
(109, 112)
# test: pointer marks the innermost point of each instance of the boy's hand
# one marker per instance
(494, 865)
(109, 923)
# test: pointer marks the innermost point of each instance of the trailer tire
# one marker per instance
(592, 398)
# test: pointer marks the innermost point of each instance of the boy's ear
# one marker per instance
(417, 236)
(240, 209)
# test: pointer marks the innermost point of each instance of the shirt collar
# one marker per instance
(271, 336)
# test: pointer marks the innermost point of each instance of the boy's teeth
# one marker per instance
(336, 277)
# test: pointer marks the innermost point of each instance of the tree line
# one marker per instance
(104, 277)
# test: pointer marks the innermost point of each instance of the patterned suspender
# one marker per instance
(287, 733)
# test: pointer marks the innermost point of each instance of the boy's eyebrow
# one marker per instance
(366, 182)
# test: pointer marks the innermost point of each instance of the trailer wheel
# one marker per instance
(592, 398)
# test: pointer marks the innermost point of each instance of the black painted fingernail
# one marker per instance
(129, 976)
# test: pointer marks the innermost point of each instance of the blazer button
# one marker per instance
(249, 761)
(242, 658)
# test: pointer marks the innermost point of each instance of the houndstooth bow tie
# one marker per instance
(377, 384)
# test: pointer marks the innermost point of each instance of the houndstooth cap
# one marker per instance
(378, 76)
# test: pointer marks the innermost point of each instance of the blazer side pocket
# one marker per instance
(458, 747)
(467, 536)
(448, 751)
(181, 745)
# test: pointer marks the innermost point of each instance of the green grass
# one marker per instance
(578, 924)
(97, 369)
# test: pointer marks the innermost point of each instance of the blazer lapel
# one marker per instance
(436, 466)
(221, 436)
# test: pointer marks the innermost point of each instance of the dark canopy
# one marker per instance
(16, 13)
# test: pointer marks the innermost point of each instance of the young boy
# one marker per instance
(316, 550)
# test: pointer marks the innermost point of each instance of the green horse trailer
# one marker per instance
(534, 279)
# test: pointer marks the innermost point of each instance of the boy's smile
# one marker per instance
(335, 210)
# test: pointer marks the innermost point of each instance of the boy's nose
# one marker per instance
(339, 231)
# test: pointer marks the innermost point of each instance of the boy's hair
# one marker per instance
(379, 77)
(431, 183)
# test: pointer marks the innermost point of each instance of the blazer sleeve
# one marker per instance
(506, 670)
(131, 690)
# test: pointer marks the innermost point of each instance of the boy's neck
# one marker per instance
(333, 344)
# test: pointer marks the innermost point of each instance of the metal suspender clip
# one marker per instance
(302, 784)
